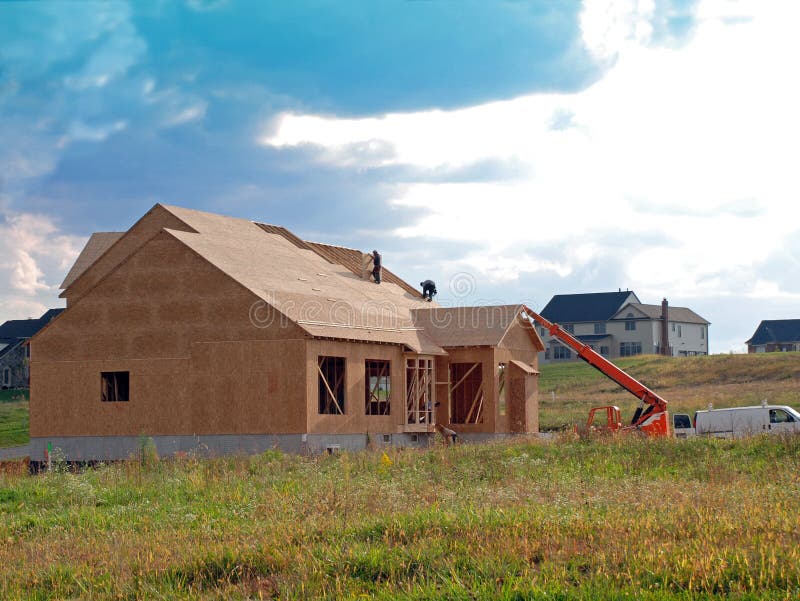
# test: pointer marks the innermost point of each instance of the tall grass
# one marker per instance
(590, 519)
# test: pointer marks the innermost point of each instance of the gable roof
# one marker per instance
(594, 306)
(453, 327)
(97, 244)
(151, 223)
(324, 298)
(15, 330)
(776, 330)
(677, 314)
(319, 287)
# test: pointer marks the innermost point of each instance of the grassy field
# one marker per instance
(568, 391)
(13, 418)
(565, 519)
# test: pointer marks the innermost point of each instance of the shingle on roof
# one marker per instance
(20, 329)
(776, 330)
(592, 337)
(678, 314)
(594, 306)
(98, 243)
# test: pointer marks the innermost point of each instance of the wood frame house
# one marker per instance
(221, 334)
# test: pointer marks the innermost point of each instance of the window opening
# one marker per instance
(501, 388)
(378, 387)
(466, 394)
(331, 385)
(114, 386)
(419, 390)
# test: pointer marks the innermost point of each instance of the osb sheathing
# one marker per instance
(522, 389)
(484, 356)
(354, 419)
(147, 317)
(522, 409)
(148, 226)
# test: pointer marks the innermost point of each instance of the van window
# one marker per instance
(680, 420)
(779, 416)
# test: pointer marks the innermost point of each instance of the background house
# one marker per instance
(775, 335)
(14, 352)
(617, 324)
(204, 331)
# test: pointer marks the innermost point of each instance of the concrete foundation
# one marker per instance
(113, 448)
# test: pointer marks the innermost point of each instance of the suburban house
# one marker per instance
(14, 355)
(216, 333)
(618, 324)
(775, 335)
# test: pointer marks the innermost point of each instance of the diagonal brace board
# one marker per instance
(328, 388)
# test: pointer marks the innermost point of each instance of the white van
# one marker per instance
(738, 421)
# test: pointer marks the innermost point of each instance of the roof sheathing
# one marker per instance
(459, 327)
(124, 247)
(97, 244)
(325, 299)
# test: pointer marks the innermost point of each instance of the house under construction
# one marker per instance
(221, 334)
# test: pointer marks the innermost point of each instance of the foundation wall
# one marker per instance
(116, 448)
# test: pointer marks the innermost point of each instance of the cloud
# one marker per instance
(692, 141)
(34, 256)
(670, 175)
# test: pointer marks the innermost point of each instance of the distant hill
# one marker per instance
(568, 391)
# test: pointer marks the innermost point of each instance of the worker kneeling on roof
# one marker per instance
(428, 290)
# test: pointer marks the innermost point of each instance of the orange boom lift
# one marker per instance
(650, 417)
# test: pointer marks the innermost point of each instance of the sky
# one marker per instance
(509, 151)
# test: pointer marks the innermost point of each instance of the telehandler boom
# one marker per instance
(651, 416)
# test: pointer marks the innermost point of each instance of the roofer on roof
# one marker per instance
(428, 289)
(376, 266)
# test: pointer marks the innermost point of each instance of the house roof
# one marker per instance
(16, 330)
(592, 337)
(318, 286)
(323, 297)
(524, 367)
(97, 244)
(594, 306)
(776, 330)
(453, 327)
(678, 314)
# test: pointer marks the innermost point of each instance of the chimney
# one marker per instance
(665, 350)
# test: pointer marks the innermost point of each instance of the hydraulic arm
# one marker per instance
(651, 417)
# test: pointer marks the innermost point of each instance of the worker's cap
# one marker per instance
(374, 252)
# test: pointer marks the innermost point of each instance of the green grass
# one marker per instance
(567, 391)
(588, 519)
(9, 396)
(13, 418)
